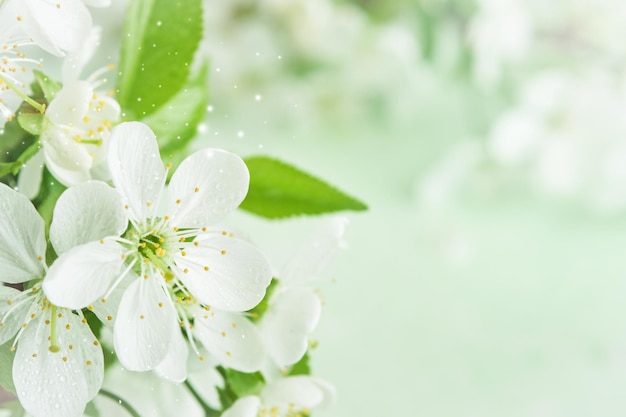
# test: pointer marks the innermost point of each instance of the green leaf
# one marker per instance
(31, 122)
(243, 384)
(279, 190)
(301, 367)
(160, 40)
(15, 166)
(176, 122)
(48, 86)
(91, 410)
(6, 366)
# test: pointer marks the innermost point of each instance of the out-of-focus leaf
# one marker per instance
(159, 43)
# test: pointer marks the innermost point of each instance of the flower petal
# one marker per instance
(85, 213)
(22, 241)
(207, 186)
(76, 61)
(66, 159)
(10, 325)
(142, 331)
(29, 180)
(302, 391)
(58, 384)
(174, 366)
(244, 407)
(316, 254)
(136, 167)
(70, 104)
(226, 273)
(230, 338)
(285, 327)
(83, 274)
(56, 28)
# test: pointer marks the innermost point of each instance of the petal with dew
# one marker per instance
(231, 338)
(56, 26)
(286, 325)
(226, 273)
(136, 167)
(174, 366)
(244, 407)
(142, 332)
(85, 213)
(84, 274)
(58, 384)
(206, 187)
(22, 240)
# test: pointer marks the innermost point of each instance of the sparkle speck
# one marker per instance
(209, 109)
(240, 134)
(257, 97)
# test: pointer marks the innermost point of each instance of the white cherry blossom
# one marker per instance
(294, 308)
(293, 396)
(76, 126)
(57, 27)
(58, 366)
(171, 260)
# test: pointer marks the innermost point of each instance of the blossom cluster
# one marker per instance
(124, 258)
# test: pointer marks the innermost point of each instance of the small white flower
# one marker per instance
(295, 308)
(54, 26)
(58, 366)
(170, 259)
(76, 127)
(286, 397)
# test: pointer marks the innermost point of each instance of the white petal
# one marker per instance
(29, 180)
(316, 254)
(329, 393)
(209, 184)
(10, 325)
(85, 213)
(230, 338)
(174, 366)
(53, 28)
(98, 3)
(84, 274)
(76, 61)
(285, 327)
(302, 391)
(22, 239)
(237, 276)
(136, 167)
(106, 308)
(244, 407)
(142, 331)
(58, 384)
(68, 161)
(70, 104)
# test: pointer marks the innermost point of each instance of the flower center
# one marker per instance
(153, 245)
